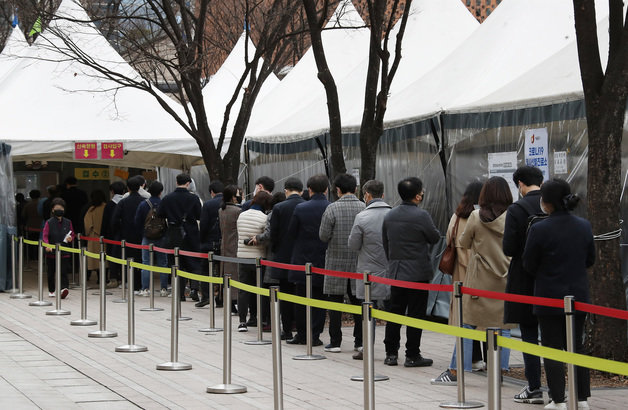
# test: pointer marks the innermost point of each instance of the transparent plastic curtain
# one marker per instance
(7, 215)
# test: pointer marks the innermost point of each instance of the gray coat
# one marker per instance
(406, 233)
(366, 239)
(335, 229)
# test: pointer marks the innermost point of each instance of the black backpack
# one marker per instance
(533, 217)
(154, 226)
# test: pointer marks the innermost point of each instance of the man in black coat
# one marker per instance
(528, 179)
(75, 200)
(282, 246)
(123, 221)
(210, 235)
(304, 226)
(407, 232)
(117, 190)
(262, 183)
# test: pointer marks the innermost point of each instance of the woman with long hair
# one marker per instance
(558, 251)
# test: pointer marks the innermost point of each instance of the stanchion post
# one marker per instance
(74, 284)
(176, 262)
(151, 259)
(367, 356)
(275, 325)
(20, 294)
(226, 387)
(258, 300)
(570, 327)
(212, 301)
(40, 277)
(174, 364)
(58, 311)
(13, 264)
(123, 277)
(101, 241)
(131, 347)
(457, 312)
(493, 354)
(83, 321)
(308, 319)
(102, 332)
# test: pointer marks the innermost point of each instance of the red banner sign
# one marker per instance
(112, 150)
(85, 150)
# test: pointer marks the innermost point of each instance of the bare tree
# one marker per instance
(605, 94)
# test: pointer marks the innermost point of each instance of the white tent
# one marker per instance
(13, 49)
(50, 101)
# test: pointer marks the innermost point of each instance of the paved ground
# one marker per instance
(46, 363)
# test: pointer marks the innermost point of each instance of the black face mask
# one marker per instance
(58, 213)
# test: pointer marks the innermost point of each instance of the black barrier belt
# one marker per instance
(243, 261)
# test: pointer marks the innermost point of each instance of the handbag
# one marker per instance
(448, 261)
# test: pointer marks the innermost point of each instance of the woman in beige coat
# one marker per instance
(93, 225)
(228, 217)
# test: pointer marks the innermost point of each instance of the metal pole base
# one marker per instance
(258, 342)
(102, 334)
(74, 286)
(13, 290)
(309, 357)
(131, 349)
(181, 319)
(98, 293)
(174, 366)
(461, 405)
(377, 378)
(83, 322)
(20, 296)
(119, 301)
(226, 389)
(210, 330)
(58, 312)
(40, 303)
(149, 309)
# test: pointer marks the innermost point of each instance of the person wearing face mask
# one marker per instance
(262, 183)
(58, 230)
(557, 254)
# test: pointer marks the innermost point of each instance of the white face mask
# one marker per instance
(543, 208)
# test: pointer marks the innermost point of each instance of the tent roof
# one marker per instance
(434, 28)
(15, 46)
(51, 101)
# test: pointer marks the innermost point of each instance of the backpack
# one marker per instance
(154, 226)
(533, 217)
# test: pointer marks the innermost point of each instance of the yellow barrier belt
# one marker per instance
(92, 255)
(321, 304)
(71, 250)
(151, 268)
(563, 356)
(47, 245)
(432, 326)
(200, 278)
(28, 242)
(249, 288)
(116, 260)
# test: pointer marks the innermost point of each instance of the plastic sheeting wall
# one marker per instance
(7, 215)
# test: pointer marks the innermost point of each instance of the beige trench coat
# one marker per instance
(93, 225)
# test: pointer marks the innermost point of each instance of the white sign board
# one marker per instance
(536, 152)
(504, 164)
(560, 163)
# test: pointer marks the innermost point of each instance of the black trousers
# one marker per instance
(205, 271)
(553, 335)
(66, 265)
(532, 363)
(335, 320)
(286, 308)
(115, 270)
(136, 254)
(246, 302)
(318, 315)
(413, 301)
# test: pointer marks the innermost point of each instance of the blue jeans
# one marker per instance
(160, 259)
(467, 346)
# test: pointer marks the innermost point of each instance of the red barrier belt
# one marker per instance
(300, 268)
(134, 246)
(110, 242)
(602, 310)
(530, 300)
(33, 229)
(89, 238)
(193, 254)
(339, 274)
(163, 250)
(411, 285)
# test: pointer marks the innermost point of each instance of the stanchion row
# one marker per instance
(369, 314)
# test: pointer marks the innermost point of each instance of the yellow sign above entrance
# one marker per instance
(92, 173)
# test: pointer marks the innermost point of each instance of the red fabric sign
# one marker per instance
(85, 150)
(112, 150)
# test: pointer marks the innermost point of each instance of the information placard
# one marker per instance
(112, 150)
(536, 152)
(85, 150)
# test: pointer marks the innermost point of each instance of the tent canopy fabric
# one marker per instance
(15, 46)
(51, 101)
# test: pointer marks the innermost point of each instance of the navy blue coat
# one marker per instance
(304, 227)
(124, 219)
(281, 243)
(558, 252)
(210, 226)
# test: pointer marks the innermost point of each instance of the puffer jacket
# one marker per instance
(251, 223)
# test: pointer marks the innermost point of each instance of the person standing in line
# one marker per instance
(458, 222)
(160, 259)
(75, 199)
(228, 218)
(528, 179)
(262, 183)
(407, 232)
(335, 228)
(210, 237)
(93, 227)
(116, 189)
(58, 230)
(282, 246)
(366, 239)
(142, 191)
(557, 254)
(308, 248)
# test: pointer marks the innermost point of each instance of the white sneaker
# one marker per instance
(478, 366)
(583, 405)
(51, 294)
(556, 406)
(163, 293)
